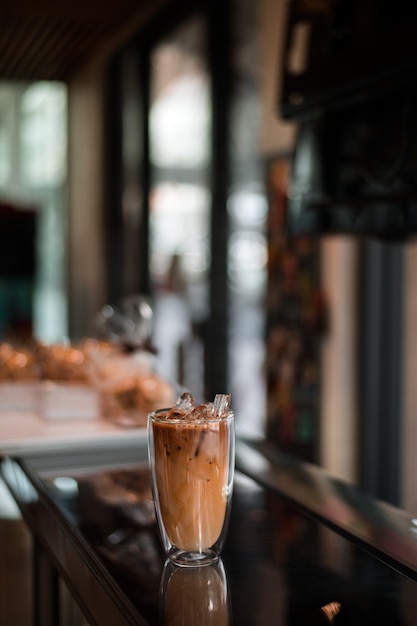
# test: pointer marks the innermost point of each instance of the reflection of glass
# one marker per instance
(194, 596)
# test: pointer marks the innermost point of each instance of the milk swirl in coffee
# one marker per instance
(192, 470)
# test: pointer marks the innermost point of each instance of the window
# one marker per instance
(33, 145)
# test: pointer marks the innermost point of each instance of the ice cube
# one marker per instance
(221, 404)
(175, 414)
(185, 401)
(201, 412)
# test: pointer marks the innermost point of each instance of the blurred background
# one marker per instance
(245, 166)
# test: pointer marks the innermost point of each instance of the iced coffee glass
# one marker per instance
(191, 457)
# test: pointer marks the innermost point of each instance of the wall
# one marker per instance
(409, 427)
(86, 200)
(339, 411)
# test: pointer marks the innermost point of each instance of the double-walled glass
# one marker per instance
(192, 466)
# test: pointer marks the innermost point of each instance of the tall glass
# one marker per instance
(192, 466)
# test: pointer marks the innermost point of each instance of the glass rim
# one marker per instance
(153, 417)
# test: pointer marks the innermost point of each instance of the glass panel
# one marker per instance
(43, 135)
(33, 160)
(180, 200)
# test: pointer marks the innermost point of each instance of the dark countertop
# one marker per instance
(298, 541)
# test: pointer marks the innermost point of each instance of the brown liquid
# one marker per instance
(192, 469)
(196, 596)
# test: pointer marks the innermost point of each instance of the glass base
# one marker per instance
(185, 558)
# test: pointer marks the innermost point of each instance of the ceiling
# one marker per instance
(53, 39)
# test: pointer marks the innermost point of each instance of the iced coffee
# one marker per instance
(191, 452)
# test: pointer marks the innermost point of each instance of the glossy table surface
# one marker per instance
(301, 548)
(24, 433)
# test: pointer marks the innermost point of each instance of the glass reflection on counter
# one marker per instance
(194, 595)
